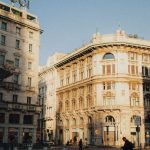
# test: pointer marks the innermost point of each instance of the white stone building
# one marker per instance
(19, 55)
(103, 89)
(47, 97)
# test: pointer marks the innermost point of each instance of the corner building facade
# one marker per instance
(103, 89)
(19, 54)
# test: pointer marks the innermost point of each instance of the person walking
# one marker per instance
(80, 144)
(127, 144)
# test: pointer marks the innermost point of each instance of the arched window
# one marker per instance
(109, 119)
(81, 121)
(108, 56)
(147, 100)
(67, 122)
(134, 100)
(73, 104)
(109, 67)
(67, 105)
(61, 123)
(81, 103)
(74, 122)
(89, 119)
(89, 101)
(60, 106)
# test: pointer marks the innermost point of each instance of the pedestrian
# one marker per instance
(80, 144)
(127, 144)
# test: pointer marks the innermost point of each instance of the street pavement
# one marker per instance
(88, 148)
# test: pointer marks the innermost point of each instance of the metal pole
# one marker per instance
(138, 141)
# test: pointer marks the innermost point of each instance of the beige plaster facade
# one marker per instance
(19, 52)
(103, 87)
(47, 97)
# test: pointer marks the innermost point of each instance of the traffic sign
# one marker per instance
(137, 121)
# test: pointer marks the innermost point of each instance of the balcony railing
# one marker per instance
(10, 85)
(21, 107)
(30, 88)
(3, 105)
(31, 108)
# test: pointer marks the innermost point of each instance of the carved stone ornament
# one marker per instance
(22, 3)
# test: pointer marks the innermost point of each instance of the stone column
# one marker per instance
(5, 135)
(34, 135)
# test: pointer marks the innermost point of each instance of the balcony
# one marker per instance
(30, 88)
(3, 105)
(31, 108)
(10, 85)
(17, 106)
(6, 69)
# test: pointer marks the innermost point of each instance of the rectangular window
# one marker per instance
(1, 97)
(108, 101)
(15, 98)
(108, 69)
(14, 118)
(29, 81)
(17, 44)
(30, 34)
(3, 40)
(18, 30)
(29, 100)
(132, 56)
(29, 65)
(16, 64)
(4, 26)
(16, 78)
(103, 69)
(2, 117)
(2, 59)
(30, 47)
(28, 119)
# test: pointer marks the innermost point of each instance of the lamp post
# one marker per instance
(41, 118)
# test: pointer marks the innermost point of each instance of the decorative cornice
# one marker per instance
(93, 46)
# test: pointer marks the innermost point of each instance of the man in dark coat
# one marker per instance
(80, 144)
(127, 144)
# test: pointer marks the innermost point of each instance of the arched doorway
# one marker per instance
(109, 131)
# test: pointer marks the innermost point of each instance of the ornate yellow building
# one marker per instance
(19, 53)
(104, 91)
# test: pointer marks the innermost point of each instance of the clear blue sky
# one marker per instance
(67, 24)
